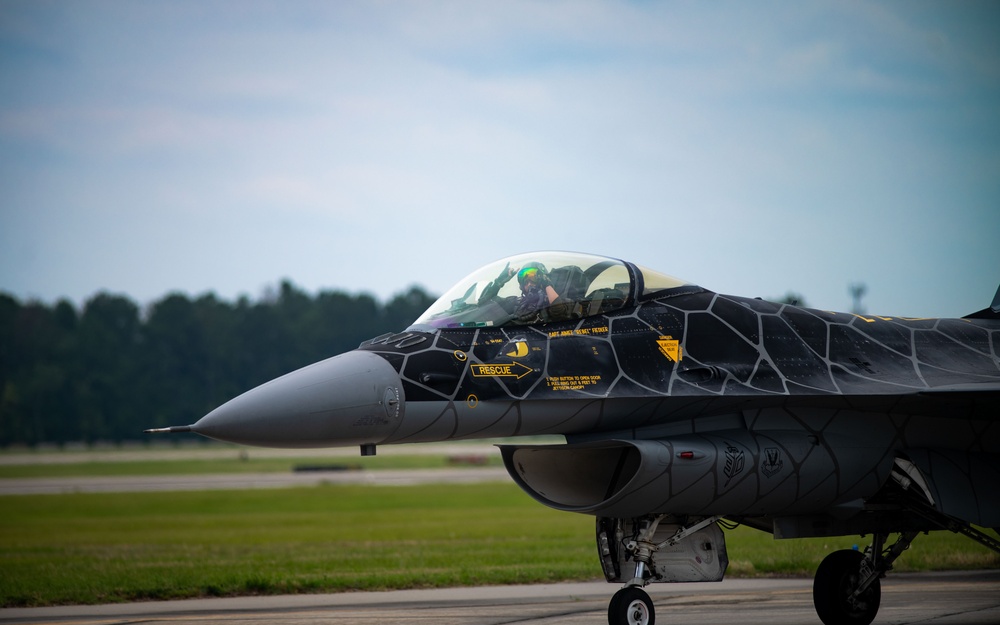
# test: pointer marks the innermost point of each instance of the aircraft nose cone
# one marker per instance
(351, 399)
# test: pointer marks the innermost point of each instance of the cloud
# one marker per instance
(764, 147)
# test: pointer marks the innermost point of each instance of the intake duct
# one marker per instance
(733, 472)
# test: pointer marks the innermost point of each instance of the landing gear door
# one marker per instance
(700, 557)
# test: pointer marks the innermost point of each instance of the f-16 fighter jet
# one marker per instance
(682, 410)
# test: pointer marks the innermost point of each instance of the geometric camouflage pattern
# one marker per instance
(817, 402)
(672, 399)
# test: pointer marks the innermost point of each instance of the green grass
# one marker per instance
(108, 547)
(753, 553)
(92, 548)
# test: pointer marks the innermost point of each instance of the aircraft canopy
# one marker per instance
(515, 290)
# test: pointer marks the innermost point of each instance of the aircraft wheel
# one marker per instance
(631, 606)
(836, 579)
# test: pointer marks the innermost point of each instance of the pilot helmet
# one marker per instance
(530, 271)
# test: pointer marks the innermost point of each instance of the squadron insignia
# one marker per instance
(735, 461)
(772, 462)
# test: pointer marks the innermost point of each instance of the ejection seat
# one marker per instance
(570, 283)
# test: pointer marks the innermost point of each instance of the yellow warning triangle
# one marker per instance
(671, 348)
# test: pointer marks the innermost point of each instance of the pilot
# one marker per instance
(536, 289)
(537, 299)
(537, 292)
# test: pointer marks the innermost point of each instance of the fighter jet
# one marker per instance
(683, 411)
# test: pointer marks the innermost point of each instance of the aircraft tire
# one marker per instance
(835, 581)
(631, 606)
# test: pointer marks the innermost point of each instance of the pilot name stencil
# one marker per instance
(580, 332)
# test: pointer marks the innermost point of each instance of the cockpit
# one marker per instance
(543, 287)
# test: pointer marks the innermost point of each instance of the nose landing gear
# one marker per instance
(693, 550)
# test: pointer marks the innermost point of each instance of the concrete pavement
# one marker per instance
(953, 598)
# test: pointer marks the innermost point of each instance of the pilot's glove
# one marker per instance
(493, 288)
(504, 276)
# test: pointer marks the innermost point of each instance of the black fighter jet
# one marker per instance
(683, 410)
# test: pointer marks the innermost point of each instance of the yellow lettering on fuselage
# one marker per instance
(512, 370)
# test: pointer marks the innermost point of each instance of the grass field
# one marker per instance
(96, 548)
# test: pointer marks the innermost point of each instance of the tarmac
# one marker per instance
(240, 481)
(341, 469)
(951, 598)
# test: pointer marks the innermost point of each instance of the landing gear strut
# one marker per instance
(846, 590)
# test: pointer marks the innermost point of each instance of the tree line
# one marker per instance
(108, 370)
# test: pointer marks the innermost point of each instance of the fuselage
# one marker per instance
(741, 393)
(679, 407)
(690, 355)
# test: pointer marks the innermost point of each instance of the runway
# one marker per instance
(241, 481)
(346, 474)
(953, 598)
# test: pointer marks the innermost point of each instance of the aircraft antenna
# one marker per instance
(857, 291)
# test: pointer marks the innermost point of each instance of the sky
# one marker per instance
(753, 148)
